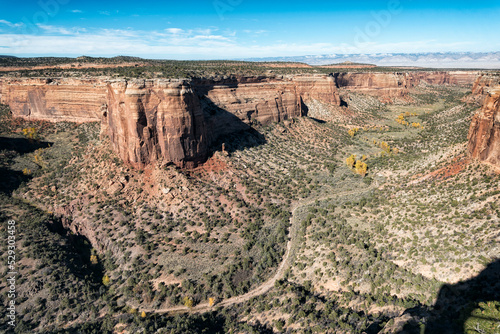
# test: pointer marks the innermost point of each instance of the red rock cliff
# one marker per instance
(73, 100)
(177, 120)
(394, 85)
(149, 119)
(174, 120)
(389, 85)
(484, 132)
(482, 85)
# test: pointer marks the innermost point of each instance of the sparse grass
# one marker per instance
(368, 248)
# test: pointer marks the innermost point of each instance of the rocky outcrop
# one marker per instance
(458, 78)
(396, 85)
(174, 120)
(73, 100)
(463, 78)
(178, 120)
(484, 132)
(482, 85)
(388, 85)
(149, 119)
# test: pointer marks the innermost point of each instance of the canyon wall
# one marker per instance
(459, 78)
(72, 100)
(178, 120)
(397, 85)
(484, 132)
(463, 78)
(148, 119)
(388, 85)
(483, 83)
(175, 120)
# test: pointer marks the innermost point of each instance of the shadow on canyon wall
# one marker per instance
(229, 133)
(456, 302)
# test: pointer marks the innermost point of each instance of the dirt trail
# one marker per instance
(285, 263)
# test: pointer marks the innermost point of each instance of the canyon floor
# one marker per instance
(275, 233)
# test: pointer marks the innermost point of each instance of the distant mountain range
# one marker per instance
(479, 60)
(453, 60)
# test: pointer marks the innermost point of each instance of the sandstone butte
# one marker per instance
(484, 132)
(177, 120)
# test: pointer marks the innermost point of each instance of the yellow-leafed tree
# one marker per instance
(211, 301)
(105, 280)
(361, 167)
(352, 132)
(30, 133)
(143, 314)
(188, 302)
(351, 160)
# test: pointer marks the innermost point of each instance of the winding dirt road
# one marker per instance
(266, 286)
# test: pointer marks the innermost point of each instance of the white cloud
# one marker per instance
(76, 11)
(104, 12)
(174, 31)
(12, 25)
(60, 30)
(188, 44)
(212, 37)
(135, 43)
(75, 41)
(204, 31)
(255, 32)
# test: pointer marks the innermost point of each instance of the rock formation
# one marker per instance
(397, 85)
(388, 85)
(178, 120)
(481, 87)
(484, 132)
(463, 78)
(72, 100)
(175, 120)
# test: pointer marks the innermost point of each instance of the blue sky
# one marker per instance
(230, 29)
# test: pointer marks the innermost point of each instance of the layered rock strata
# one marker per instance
(484, 132)
(482, 85)
(397, 85)
(178, 120)
(175, 120)
(72, 100)
(388, 85)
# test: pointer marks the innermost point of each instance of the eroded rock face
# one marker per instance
(481, 87)
(149, 119)
(178, 120)
(388, 85)
(174, 120)
(484, 132)
(66, 99)
(397, 85)
(459, 78)
(463, 78)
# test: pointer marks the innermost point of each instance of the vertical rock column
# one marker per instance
(149, 119)
(484, 132)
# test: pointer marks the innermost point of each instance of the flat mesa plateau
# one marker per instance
(237, 197)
